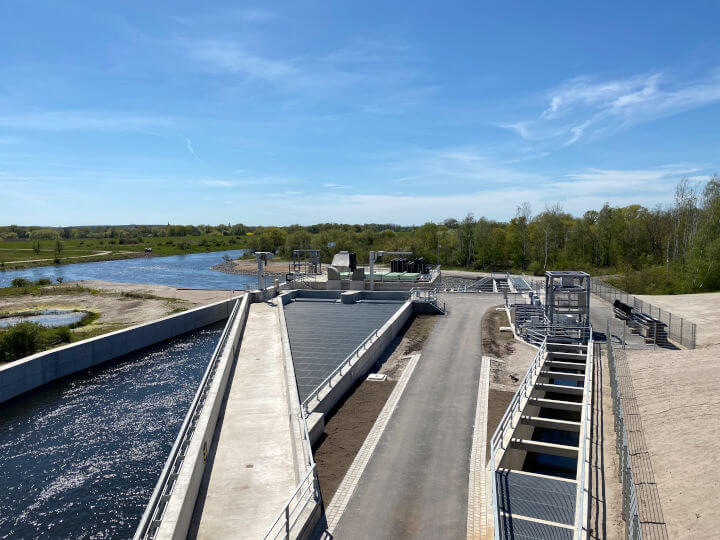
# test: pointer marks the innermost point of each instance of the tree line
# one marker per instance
(666, 249)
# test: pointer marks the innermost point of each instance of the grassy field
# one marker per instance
(20, 254)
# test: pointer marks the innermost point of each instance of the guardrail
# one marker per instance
(630, 505)
(497, 441)
(307, 490)
(679, 329)
(152, 516)
(426, 295)
(584, 441)
(338, 370)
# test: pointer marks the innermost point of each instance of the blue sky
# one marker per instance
(302, 112)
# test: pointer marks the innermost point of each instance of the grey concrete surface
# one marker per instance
(28, 373)
(251, 471)
(416, 484)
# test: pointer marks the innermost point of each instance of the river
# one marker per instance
(190, 271)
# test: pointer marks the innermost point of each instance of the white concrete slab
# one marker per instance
(253, 467)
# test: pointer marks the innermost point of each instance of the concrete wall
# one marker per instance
(179, 510)
(33, 371)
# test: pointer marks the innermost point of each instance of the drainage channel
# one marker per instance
(80, 456)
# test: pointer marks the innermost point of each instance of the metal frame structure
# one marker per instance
(310, 264)
(373, 256)
(567, 297)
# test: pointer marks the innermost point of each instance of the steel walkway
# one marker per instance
(539, 452)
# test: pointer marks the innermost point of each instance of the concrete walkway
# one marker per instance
(251, 468)
(416, 483)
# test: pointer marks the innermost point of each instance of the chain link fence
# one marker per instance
(630, 512)
(679, 329)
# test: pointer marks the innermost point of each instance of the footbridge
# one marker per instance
(539, 452)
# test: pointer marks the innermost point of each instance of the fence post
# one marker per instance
(682, 324)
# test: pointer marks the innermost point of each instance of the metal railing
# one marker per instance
(308, 490)
(497, 441)
(327, 383)
(630, 505)
(152, 517)
(429, 296)
(584, 442)
(679, 329)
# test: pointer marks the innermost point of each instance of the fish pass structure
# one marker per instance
(567, 298)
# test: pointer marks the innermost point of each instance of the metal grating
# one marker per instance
(521, 529)
(322, 333)
(536, 497)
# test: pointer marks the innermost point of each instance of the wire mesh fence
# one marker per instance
(630, 506)
(679, 329)
(641, 507)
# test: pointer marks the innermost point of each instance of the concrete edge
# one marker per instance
(292, 397)
(28, 373)
(179, 509)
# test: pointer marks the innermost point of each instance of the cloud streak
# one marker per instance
(588, 106)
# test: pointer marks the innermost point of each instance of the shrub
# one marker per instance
(43, 281)
(20, 282)
(26, 338)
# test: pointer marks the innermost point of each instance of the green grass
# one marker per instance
(171, 245)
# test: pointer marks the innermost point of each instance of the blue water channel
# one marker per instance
(191, 271)
(80, 457)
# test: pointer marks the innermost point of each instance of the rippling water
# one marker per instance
(191, 271)
(79, 458)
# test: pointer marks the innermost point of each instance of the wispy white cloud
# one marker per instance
(227, 55)
(83, 120)
(585, 106)
(334, 186)
(218, 183)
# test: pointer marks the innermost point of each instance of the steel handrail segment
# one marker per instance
(328, 380)
(152, 517)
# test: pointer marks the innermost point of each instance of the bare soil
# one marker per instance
(346, 428)
(702, 309)
(249, 267)
(605, 490)
(119, 304)
(498, 401)
(678, 401)
(510, 358)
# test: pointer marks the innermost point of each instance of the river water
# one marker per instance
(80, 457)
(191, 271)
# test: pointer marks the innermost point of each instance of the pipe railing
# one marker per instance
(152, 517)
(584, 442)
(307, 490)
(328, 383)
(497, 441)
